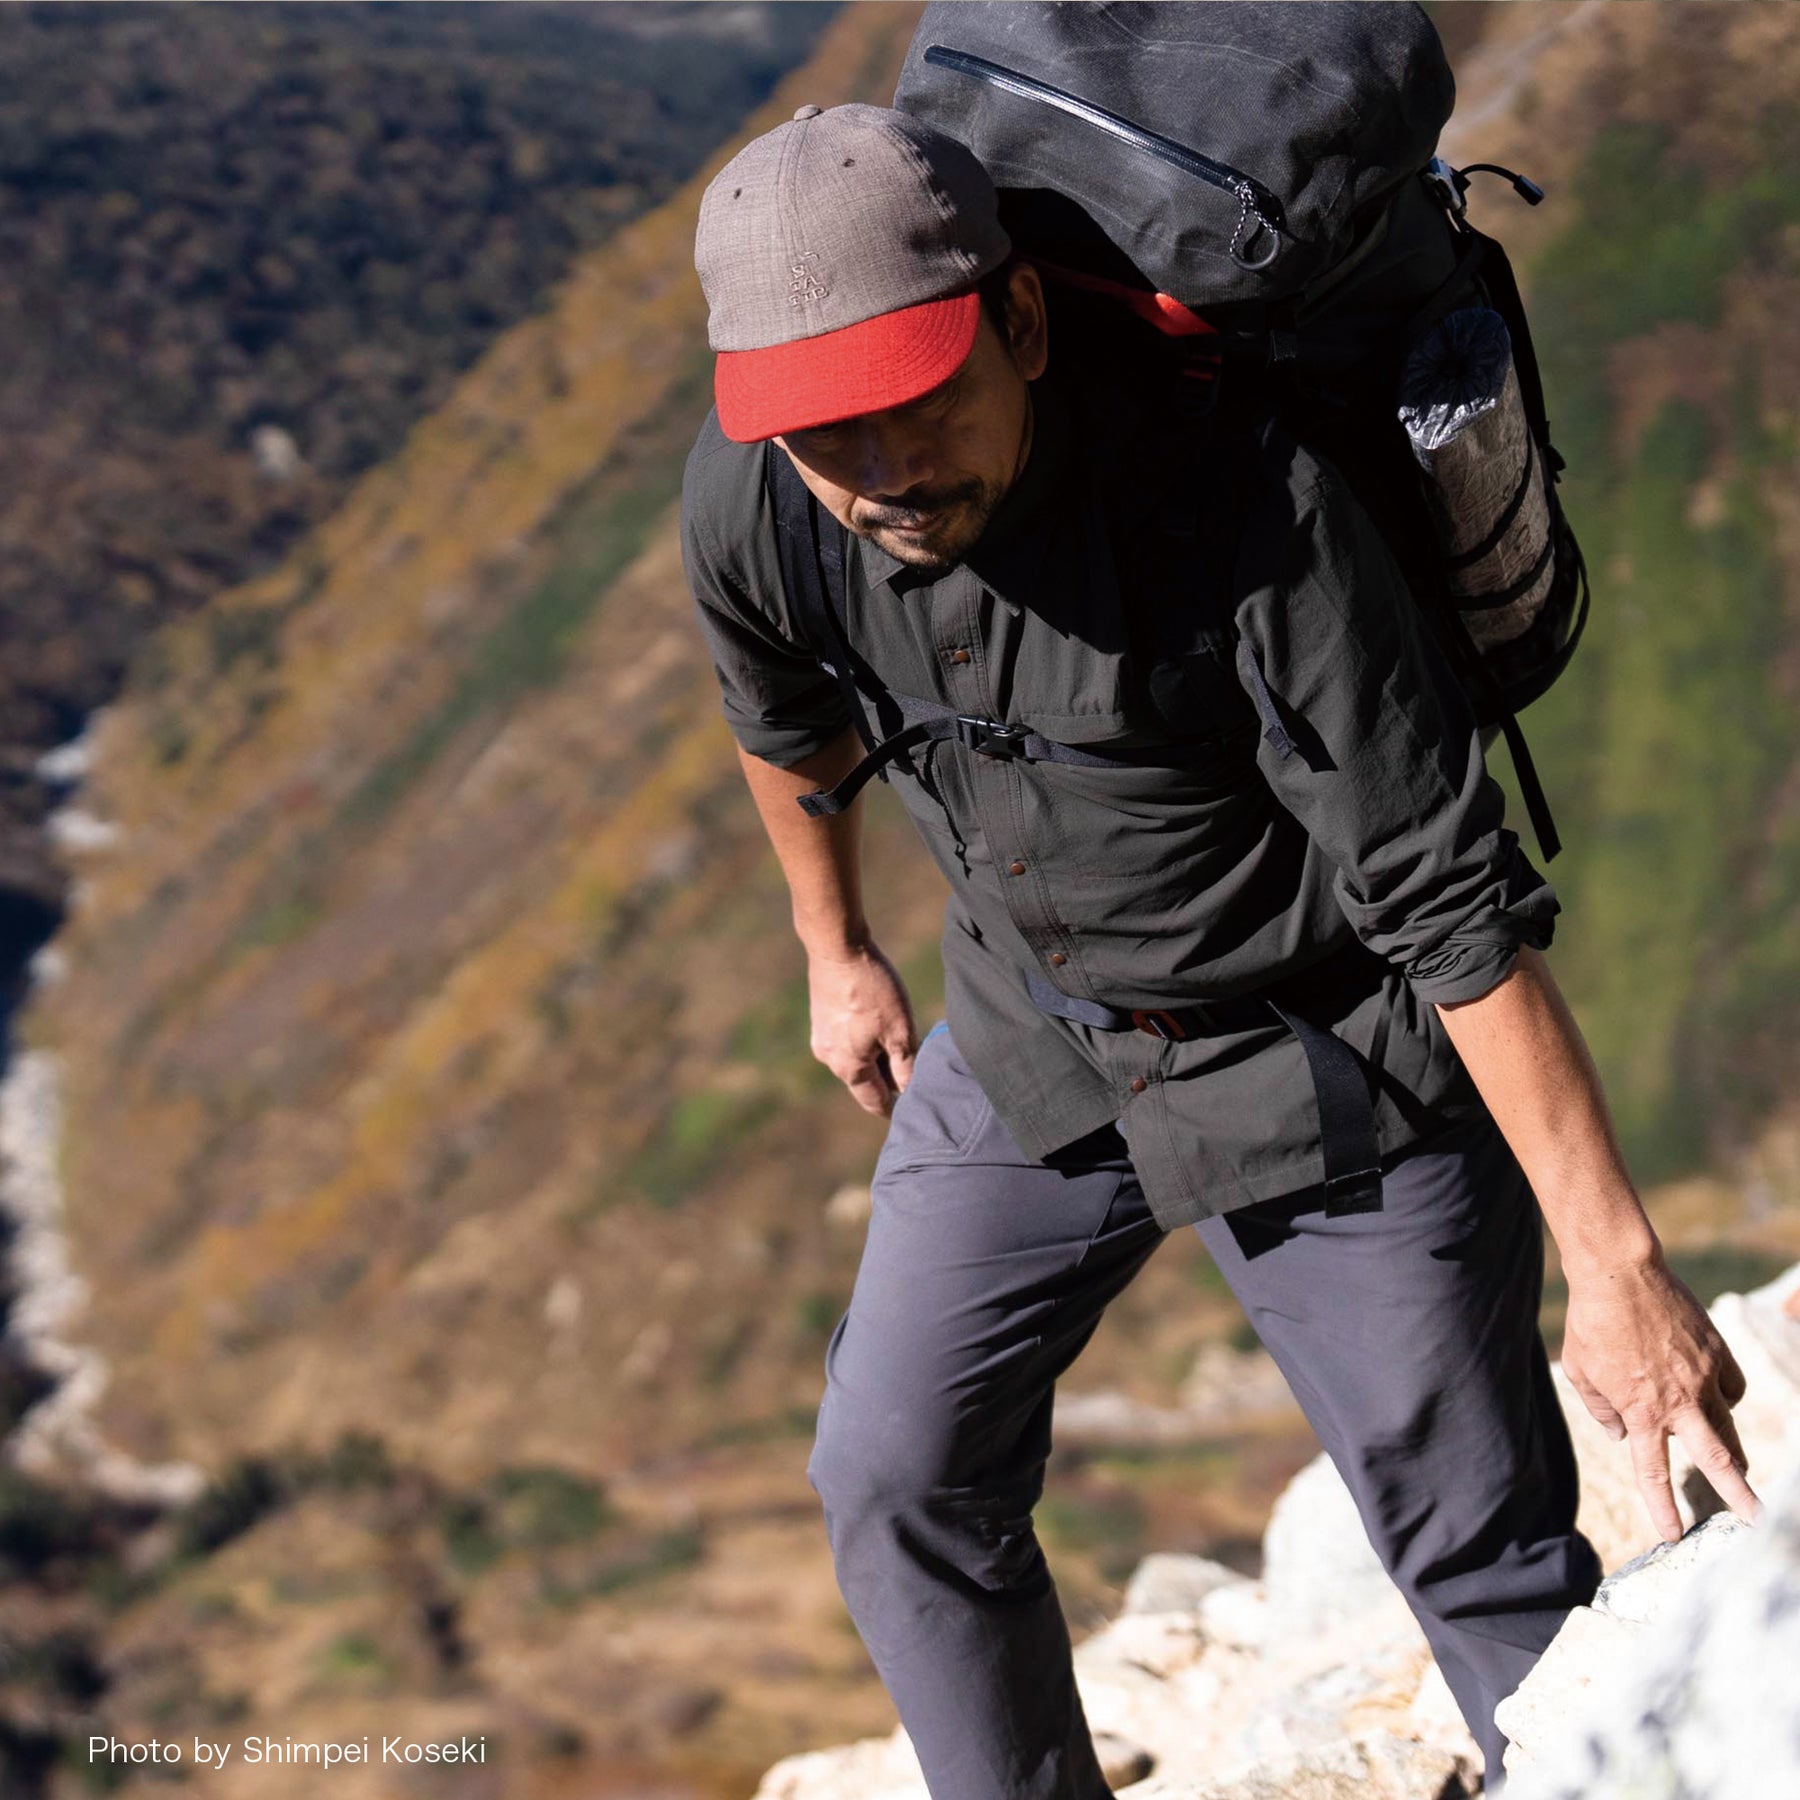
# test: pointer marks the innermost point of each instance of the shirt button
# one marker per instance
(1057, 959)
(959, 656)
(1015, 868)
(1138, 1084)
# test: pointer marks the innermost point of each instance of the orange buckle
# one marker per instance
(1159, 1024)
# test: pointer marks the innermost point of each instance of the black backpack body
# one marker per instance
(1257, 186)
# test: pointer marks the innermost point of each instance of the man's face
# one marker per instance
(922, 480)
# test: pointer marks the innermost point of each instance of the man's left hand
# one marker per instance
(1650, 1366)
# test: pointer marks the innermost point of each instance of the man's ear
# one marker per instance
(1027, 322)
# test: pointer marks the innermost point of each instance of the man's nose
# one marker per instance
(892, 460)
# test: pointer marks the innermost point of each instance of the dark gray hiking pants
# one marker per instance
(1409, 1336)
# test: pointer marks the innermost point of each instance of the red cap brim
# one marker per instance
(885, 361)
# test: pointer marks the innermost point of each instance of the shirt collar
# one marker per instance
(1052, 435)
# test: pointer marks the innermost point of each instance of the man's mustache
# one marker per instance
(916, 508)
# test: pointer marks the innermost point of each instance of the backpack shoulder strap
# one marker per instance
(811, 553)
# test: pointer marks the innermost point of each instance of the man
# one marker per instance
(1251, 900)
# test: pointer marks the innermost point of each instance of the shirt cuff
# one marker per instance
(1472, 961)
(784, 745)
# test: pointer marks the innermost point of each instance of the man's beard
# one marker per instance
(946, 522)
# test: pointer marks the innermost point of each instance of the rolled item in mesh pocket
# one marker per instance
(1460, 404)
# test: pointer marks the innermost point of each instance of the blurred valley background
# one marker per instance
(424, 1218)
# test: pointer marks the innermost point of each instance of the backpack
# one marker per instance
(1258, 185)
(1313, 259)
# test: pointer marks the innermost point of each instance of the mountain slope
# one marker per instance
(435, 918)
(434, 1039)
(1664, 278)
(243, 249)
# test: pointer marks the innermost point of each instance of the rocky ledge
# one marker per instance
(1315, 1683)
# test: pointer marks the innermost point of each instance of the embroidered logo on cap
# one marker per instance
(805, 285)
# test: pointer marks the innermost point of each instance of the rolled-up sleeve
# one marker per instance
(1384, 766)
(780, 705)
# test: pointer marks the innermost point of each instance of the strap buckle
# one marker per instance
(1158, 1023)
(1354, 1191)
(991, 738)
(1447, 185)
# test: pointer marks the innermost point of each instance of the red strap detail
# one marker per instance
(1163, 311)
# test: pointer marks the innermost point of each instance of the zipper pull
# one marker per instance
(1250, 207)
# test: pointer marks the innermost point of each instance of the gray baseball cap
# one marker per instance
(839, 254)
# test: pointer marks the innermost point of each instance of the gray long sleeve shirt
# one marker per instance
(1360, 878)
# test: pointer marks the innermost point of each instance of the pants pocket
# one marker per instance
(943, 1112)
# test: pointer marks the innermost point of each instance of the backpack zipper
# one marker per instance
(1255, 201)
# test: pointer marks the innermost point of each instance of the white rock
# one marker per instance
(1765, 1339)
(1318, 1566)
(275, 453)
(1434, 1718)
(71, 828)
(1224, 1388)
(1557, 1688)
(1122, 1762)
(1315, 1682)
(1155, 1643)
(1376, 1767)
(1104, 1417)
(1228, 1383)
(562, 1304)
(1568, 1685)
(886, 1769)
(850, 1206)
(1238, 1615)
(1648, 1584)
(48, 966)
(69, 762)
(1701, 1704)
(1164, 1583)
(883, 1768)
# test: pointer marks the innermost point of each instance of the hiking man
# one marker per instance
(1156, 949)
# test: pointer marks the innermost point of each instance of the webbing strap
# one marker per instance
(1531, 787)
(1347, 1137)
(812, 572)
(933, 722)
(1346, 1118)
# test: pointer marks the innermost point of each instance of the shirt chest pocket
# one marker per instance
(1196, 693)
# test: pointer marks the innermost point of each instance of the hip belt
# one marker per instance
(1340, 1083)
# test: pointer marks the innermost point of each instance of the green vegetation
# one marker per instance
(355, 1655)
(815, 1313)
(527, 648)
(1108, 1525)
(231, 1504)
(530, 1507)
(1664, 746)
(540, 1507)
(662, 1554)
(692, 1141)
(773, 1037)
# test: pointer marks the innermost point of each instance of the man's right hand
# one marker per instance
(862, 1021)
(862, 1026)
